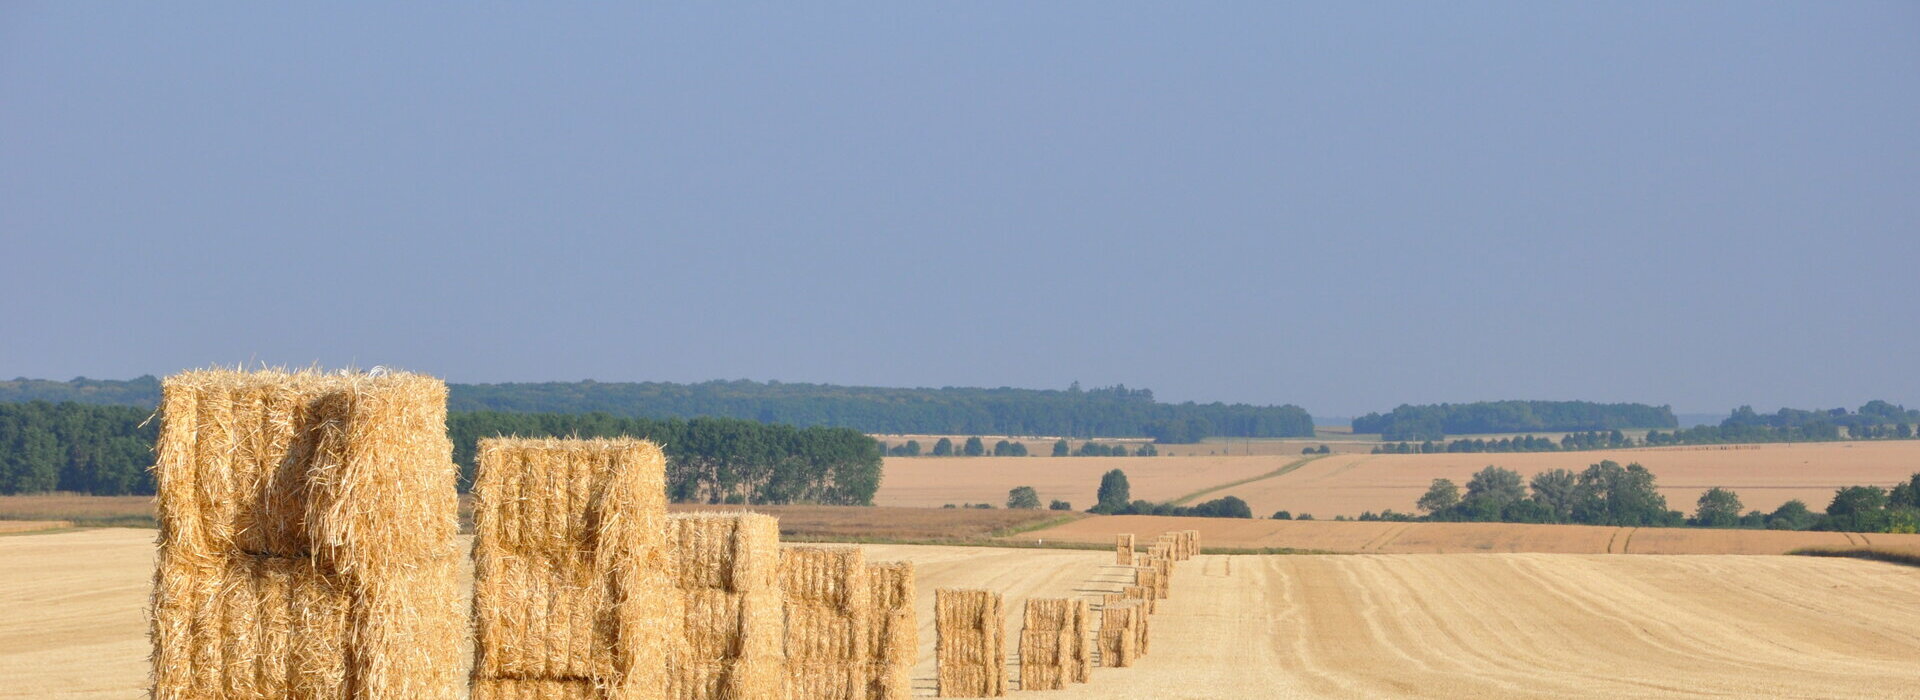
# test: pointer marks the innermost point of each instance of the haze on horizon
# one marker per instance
(1341, 207)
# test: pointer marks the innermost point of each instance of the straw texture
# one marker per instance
(828, 619)
(1080, 644)
(727, 572)
(571, 568)
(1119, 639)
(1123, 550)
(1046, 644)
(307, 537)
(894, 638)
(970, 650)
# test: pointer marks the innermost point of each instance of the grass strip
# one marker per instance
(1886, 555)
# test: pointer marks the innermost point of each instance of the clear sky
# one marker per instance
(1342, 205)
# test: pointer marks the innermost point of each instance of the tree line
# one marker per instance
(1074, 412)
(1436, 421)
(1609, 494)
(107, 450)
(975, 447)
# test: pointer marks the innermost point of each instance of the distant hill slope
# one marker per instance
(1104, 412)
(1434, 421)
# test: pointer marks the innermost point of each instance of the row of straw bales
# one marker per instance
(308, 549)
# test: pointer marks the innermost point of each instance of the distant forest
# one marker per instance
(1103, 412)
(1436, 421)
(1877, 420)
(106, 450)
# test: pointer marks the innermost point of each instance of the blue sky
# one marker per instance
(1345, 206)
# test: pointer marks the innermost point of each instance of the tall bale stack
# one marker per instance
(573, 584)
(307, 537)
(1193, 540)
(1142, 594)
(727, 573)
(1080, 649)
(1119, 640)
(1046, 644)
(894, 641)
(829, 608)
(1123, 550)
(970, 649)
(1163, 575)
(1147, 577)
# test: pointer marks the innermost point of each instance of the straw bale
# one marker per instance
(829, 610)
(1080, 646)
(535, 689)
(1107, 599)
(571, 567)
(894, 639)
(307, 537)
(1046, 644)
(1163, 577)
(1118, 638)
(1141, 623)
(726, 569)
(1144, 596)
(1123, 550)
(970, 649)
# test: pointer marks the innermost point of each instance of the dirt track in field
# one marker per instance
(1480, 625)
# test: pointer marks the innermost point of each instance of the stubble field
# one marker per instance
(1457, 625)
(1764, 476)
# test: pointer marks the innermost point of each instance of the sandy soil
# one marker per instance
(1482, 625)
(1451, 538)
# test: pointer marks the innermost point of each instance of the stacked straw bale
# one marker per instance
(829, 608)
(1080, 650)
(1163, 575)
(1144, 595)
(1193, 540)
(894, 639)
(1046, 644)
(727, 572)
(1119, 639)
(970, 649)
(1123, 550)
(572, 591)
(307, 537)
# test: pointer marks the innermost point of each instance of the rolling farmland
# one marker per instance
(1348, 484)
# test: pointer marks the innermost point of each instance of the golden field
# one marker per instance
(1453, 538)
(1765, 476)
(72, 623)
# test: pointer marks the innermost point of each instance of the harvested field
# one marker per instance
(868, 523)
(1765, 476)
(80, 509)
(13, 526)
(1450, 538)
(1493, 625)
(931, 482)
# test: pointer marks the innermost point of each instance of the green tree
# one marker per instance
(1019, 449)
(1282, 515)
(1023, 497)
(1114, 492)
(1717, 507)
(1002, 449)
(1792, 515)
(1060, 448)
(1058, 504)
(1555, 489)
(1906, 495)
(974, 448)
(1441, 496)
(1857, 500)
(943, 448)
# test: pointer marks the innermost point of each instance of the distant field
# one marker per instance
(1454, 538)
(1764, 476)
(935, 481)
